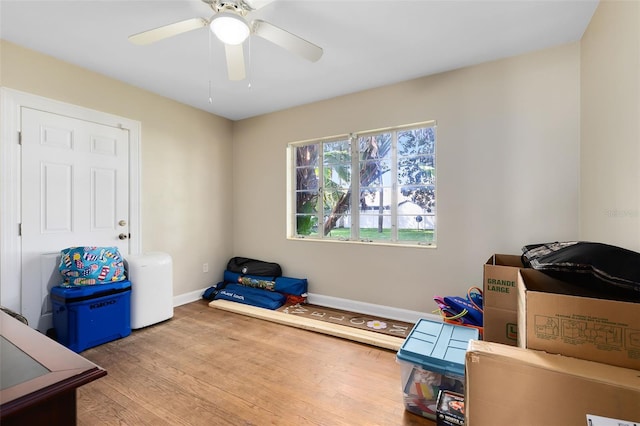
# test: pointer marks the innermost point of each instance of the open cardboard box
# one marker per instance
(500, 298)
(570, 319)
(507, 385)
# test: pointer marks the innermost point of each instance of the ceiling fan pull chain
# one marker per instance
(210, 69)
(249, 63)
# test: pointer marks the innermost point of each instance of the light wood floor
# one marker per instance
(210, 367)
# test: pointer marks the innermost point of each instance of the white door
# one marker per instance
(75, 192)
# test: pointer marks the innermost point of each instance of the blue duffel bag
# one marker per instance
(251, 296)
(285, 285)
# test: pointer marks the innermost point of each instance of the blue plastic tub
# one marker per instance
(432, 359)
(88, 316)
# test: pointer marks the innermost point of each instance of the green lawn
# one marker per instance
(373, 234)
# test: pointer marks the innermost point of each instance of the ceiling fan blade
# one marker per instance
(235, 61)
(258, 4)
(160, 33)
(286, 40)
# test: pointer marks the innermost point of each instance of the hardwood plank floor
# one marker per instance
(210, 367)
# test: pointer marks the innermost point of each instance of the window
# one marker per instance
(376, 186)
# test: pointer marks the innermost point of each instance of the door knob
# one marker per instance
(123, 236)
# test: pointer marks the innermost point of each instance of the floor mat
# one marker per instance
(349, 319)
(309, 323)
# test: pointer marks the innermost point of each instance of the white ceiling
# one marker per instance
(367, 44)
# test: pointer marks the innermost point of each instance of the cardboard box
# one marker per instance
(507, 385)
(432, 360)
(500, 297)
(568, 319)
(502, 325)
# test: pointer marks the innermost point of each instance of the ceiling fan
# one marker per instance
(229, 25)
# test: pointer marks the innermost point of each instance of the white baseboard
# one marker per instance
(337, 303)
(183, 299)
(370, 308)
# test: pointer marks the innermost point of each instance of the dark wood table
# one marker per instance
(39, 377)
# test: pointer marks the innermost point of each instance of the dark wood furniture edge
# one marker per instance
(83, 377)
(68, 370)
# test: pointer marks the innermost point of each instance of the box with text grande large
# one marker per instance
(500, 297)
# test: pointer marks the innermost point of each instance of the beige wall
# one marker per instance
(186, 160)
(610, 126)
(514, 138)
(507, 167)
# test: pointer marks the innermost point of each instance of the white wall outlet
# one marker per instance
(205, 267)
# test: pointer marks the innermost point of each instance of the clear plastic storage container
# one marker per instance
(432, 359)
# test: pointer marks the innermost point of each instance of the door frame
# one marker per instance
(11, 101)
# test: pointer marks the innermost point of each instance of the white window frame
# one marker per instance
(355, 187)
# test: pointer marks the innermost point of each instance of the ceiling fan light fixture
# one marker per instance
(230, 28)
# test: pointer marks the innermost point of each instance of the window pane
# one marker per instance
(416, 228)
(421, 197)
(307, 189)
(336, 201)
(375, 214)
(416, 179)
(337, 205)
(374, 147)
(307, 178)
(416, 217)
(375, 173)
(306, 212)
(336, 188)
(417, 141)
(375, 225)
(337, 152)
(342, 229)
(375, 198)
(375, 164)
(416, 170)
(306, 202)
(375, 187)
(337, 177)
(306, 225)
(307, 155)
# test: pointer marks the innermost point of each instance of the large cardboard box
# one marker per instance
(506, 385)
(569, 319)
(500, 297)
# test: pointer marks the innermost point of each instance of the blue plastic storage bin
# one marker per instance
(88, 316)
(432, 359)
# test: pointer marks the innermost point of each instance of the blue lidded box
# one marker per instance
(432, 359)
(88, 316)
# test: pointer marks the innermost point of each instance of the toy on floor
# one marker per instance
(462, 311)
